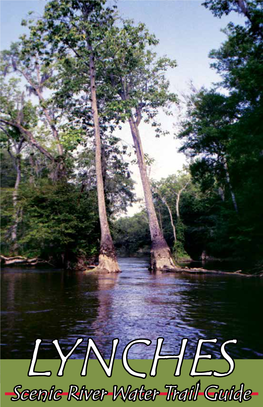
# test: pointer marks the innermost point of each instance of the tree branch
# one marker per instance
(29, 137)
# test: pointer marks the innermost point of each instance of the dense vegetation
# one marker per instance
(223, 132)
(69, 84)
(221, 206)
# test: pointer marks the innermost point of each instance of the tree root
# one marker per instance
(161, 260)
(107, 264)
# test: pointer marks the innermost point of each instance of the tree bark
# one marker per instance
(29, 138)
(160, 220)
(244, 8)
(60, 172)
(16, 211)
(230, 186)
(59, 169)
(107, 257)
(171, 218)
(17, 165)
(178, 196)
(161, 259)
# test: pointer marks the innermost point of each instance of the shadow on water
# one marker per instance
(50, 305)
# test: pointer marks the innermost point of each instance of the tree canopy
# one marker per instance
(68, 85)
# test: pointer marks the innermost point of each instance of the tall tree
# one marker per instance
(138, 90)
(79, 27)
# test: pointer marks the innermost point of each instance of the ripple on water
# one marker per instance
(133, 304)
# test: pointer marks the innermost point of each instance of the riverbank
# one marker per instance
(20, 261)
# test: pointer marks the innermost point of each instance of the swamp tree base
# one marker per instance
(106, 264)
(162, 261)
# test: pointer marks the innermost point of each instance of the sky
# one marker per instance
(186, 31)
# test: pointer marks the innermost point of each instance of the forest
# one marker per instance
(68, 86)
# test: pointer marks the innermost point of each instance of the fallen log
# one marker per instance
(23, 261)
(200, 270)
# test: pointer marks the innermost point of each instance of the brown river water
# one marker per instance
(63, 305)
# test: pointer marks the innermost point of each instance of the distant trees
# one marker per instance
(183, 215)
(132, 236)
(169, 192)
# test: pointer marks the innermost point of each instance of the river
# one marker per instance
(64, 305)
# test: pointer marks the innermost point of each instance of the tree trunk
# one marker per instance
(16, 211)
(230, 186)
(178, 196)
(244, 8)
(178, 205)
(171, 217)
(161, 259)
(16, 159)
(29, 138)
(107, 258)
(160, 220)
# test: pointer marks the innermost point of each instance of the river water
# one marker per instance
(48, 304)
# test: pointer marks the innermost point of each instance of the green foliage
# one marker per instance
(6, 218)
(223, 134)
(135, 77)
(13, 104)
(60, 222)
(56, 199)
(7, 170)
(220, 203)
(178, 249)
(168, 194)
(251, 9)
(132, 236)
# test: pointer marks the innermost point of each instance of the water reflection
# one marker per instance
(101, 325)
(134, 304)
